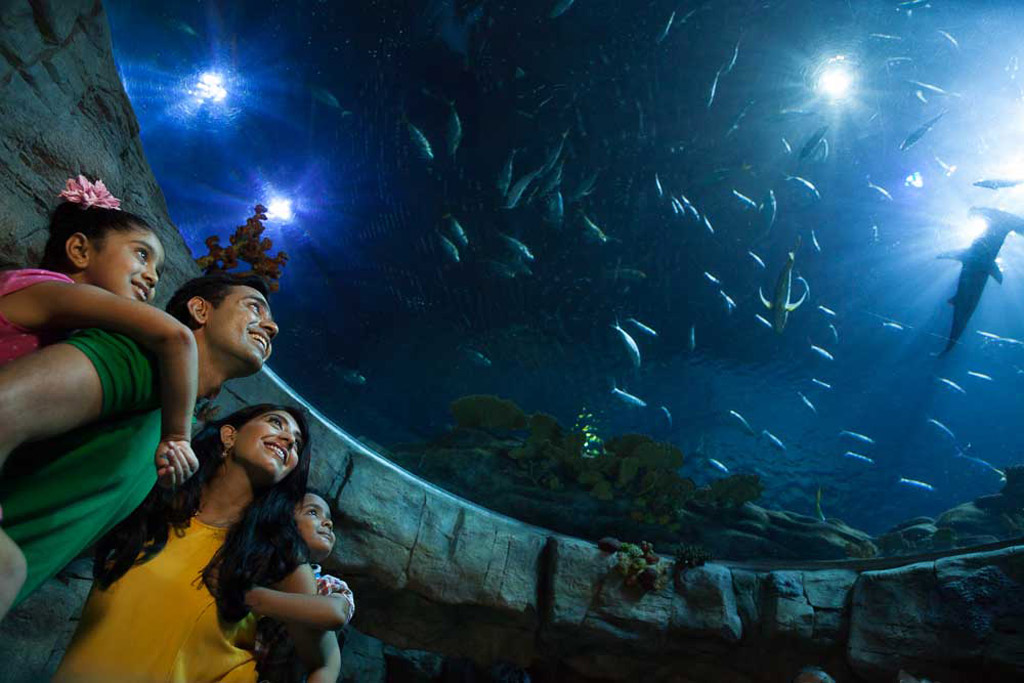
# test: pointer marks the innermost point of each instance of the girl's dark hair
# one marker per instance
(94, 222)
(260, 549)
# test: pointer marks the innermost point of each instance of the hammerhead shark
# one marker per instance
(780, 304)
(979, 262)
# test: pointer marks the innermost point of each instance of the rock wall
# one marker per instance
(437, 577)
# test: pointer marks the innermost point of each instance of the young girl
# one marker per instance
(330, 609)
(100, 268)
(168, 600)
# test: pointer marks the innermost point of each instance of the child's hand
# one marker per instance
(340, 590)
(175, 462)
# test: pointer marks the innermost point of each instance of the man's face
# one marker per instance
(242, 328)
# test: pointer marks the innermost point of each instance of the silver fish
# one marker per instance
(806, 184)
(657, 184)
(980, 375)
(712, 278)
(835, 332)
(517, 246)
(769, 209)
(997, 183)
(516, 193)
(880, 190)
(560, 8)
(950, 38)
(732, 60)
(822, 352)
(457, 232)
(823, 385)
(664, 32)
(745, 201)
(730, 305)
(934, 89)
(827, 311)
(421, 143)
(858, 437)
(917, 484)
(763, 320)
(629, 398)
(949, 169)
(813, 142)
(757, 259)
(707, 224)
(668, 416)
(593, 232)
(718, 465)
(714, 89)
(914, 137)
(450, 250)
(788, 147)
(454, 130)
(505, 177)
(476, 357)
(634, 350)
(942, 428)
(642, 327)
(858, 456)
(892, 325)
(693, 337)
(743, 421)
(782, 304)
(807, 402)
(774, 440)
(814, 241)
(952, 385)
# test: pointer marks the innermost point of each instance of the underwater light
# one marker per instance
(210, 87)
(973, 228)
(835, 78)
(279, 209)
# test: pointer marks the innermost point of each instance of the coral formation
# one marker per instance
(638, 564)
(688, 556)
(247, 246)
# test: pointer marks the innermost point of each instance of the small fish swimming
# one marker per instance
(952, 385)
(948, 169)
(454, 130)
(693, 337)
(743, 421)
(592, 231)
(823, 385)
(769, 210)
(997, 183)
(806, 184)
(707, 224)
(983, 463)
(763, 320)
(668, 415)
(664, 31)
(456, 230)
(657, 184)
(807, 402)
(835, 332)
(782, 304)
(505, 177)
(714, 89)
(517, 246)
(642, 327)
(730, 305)
(786, 146)
(814, 241)
(629, 398)
(980, 375)
(893, 325)
(934, 89)
(858, 456)
(817, 506)
(917, 484)
(476, 357)
(718, 465)
(745, 201)
(757, 259)
(950, 38)
(712, 278)
(420, 142)
(449, 248)
(827, 311)
(516, 193)
(353, 377)
(916, 136)
(813, 142)
(560, 8)
(631, 347)
(773, 440)
(732, 60)
(942, 428)
(858, 437)
(880, 190)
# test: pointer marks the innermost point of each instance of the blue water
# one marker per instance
(317, 99)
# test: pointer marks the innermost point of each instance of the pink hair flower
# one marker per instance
(89, 194)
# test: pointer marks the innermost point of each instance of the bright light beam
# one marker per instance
(973, 228)
(835, 81)
(279, 209)
(210, 88)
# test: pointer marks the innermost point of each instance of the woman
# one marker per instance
(169, 600)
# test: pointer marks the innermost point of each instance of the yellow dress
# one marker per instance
(158, 622)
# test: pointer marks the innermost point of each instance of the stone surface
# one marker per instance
(705, 604)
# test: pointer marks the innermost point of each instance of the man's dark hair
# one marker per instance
(213, 288)
(94, 222)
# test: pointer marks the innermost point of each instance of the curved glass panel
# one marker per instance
(694, 247)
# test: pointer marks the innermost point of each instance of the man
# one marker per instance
(90, 408)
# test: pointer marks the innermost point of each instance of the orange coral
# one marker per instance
(249, 246)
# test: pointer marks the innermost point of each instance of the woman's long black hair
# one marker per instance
(260, 549)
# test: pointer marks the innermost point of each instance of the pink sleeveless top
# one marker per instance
(16, 341)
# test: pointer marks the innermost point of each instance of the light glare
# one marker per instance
(279, 209)
(973, 228)
(835, 79)
(210, 87)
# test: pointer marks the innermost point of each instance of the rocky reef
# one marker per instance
(629, 486)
